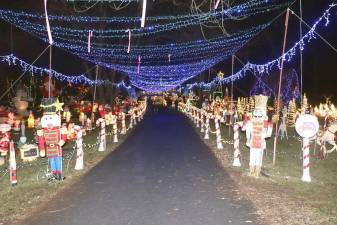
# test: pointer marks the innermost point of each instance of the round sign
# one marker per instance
(4, 127)
(307, 126)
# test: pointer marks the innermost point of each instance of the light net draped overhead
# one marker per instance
(155, 67)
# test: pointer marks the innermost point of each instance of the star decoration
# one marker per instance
(220, 75)
(58, 105)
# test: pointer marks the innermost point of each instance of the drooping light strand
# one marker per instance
(129, 45)
(12, 60)
(138, 68)
(143, 13)
(47, 23)
(89, 41)
(251, 8)
(217, 4)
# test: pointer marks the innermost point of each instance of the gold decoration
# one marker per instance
(220, 75)
(58, 105)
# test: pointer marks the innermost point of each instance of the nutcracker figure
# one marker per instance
(53, 138)
(257, 130)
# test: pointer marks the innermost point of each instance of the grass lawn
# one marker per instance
(279, 194)
(31, 192)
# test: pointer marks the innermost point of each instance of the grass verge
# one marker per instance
(279, 194)
(22, 200)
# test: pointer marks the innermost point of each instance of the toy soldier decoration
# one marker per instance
(258, 128)
(53, 137)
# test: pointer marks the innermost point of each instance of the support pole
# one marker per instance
(232, 97)
(94, 97)
(301, 54)
(49, 80)
(280, 83)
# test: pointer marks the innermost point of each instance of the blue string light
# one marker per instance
(155, 73)
(276, 63)
(12, 60)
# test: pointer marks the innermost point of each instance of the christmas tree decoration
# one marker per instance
(292, 113)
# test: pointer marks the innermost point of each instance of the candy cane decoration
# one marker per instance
(197, 115)
(102, 135)
(47, 24)
(79, 148)
(123, 131)
(169, 58)
(143, 14)
(218, 132)
(138, 114)
(207, 127)
(131, 119)
(134, 116)
(237, 153)
(114, 128)
(306, 160)
(12, 164)
(202, 123)
(89, 41)
(129, 46)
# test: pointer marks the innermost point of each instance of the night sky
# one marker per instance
(320, 61)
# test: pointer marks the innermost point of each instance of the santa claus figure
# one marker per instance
(101, 111)
(5, 138)
(257, 130)
(53, 139)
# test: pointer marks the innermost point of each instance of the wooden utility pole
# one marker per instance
(280, 83)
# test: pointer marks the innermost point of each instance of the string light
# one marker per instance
(80, 79)
(154, 72)
(267, 67)
(290, 87)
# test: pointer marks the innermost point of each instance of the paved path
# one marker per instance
(162, 175)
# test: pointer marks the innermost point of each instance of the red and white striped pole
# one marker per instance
(306, 160)
(12, 164)
(202, 122)
(218, 132)
(79, 148)
(207, 126)
(134, 116)
(237, 152)
(102, 142)
(197, 116)
(131, 119)
(123, 131)
(114, 128)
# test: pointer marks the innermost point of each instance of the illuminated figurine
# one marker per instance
(257, 130)
(101, 111)
(31, 120)
(10, 119)
(5, 138)
(66, 114)
(54, 138)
